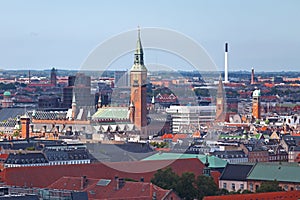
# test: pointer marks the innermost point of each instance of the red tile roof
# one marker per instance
(130, 190)
(43, 176)
(167, 136)
(179, 136)
(267, 195)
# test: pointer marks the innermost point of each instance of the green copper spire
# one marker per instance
(139, 49)
(139, 55)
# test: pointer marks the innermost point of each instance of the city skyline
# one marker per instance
(58, 34)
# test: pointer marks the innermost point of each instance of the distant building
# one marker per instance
(234, 177)
(53, 78)
(7, 102)
(45, 102)
(231, 156)
(80, 86)
(187, 119)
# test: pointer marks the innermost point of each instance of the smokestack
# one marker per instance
(226, 64)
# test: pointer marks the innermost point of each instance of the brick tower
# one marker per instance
(138, 81)
(25, 123)
(256, 104)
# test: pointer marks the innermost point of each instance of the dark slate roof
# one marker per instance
(229, 154)
(23, 144)
(120, 152)
(292, 140)
(6, 113)
(26, 158)
(74, 154)
(236, 172)
(20, 197)
(46, 115)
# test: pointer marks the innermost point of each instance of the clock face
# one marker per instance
(219, 101)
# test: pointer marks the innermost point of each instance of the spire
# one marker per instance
(139, 55)
(73, 100)
(220, 91)
(139, 50)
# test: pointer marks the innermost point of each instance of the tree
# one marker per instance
(205, 186)
(185, 186)
(269, 186)
(166, 179)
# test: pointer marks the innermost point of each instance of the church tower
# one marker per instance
(53, 78)
(138, 95)
(256, 104)
(220, 102)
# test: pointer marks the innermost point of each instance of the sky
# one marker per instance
(40, 34)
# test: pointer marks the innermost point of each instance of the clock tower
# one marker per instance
(138, 94)
(256, 104)
(220, 102)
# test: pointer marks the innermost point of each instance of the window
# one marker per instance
(242, 186)
(251, 187)
(224, 185)
(233, 186)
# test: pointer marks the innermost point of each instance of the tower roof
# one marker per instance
(7, 93)
(220, 91)
(139, 56)
(256, 93)
(139, 48)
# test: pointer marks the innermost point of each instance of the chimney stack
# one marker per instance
(226, 64)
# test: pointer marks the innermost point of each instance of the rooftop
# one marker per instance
(214, 162)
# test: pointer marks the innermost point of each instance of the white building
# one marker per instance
(187, 119)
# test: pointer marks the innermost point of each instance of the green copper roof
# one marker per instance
(139, 56)
(7, 93)
(256, 93)
(284, 172)
(112, 113)
(214, 162)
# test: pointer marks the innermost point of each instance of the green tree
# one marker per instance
(247, 192)
(269, 186)
(185, 186)
(205, 186)
(166, 179)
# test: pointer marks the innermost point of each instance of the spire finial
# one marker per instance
(139, 31)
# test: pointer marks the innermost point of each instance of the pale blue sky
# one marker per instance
(37, 34)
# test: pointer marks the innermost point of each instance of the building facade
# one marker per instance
(187, 119)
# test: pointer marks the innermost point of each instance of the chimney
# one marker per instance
(252, 76)
(25, 125)
(226, 64)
